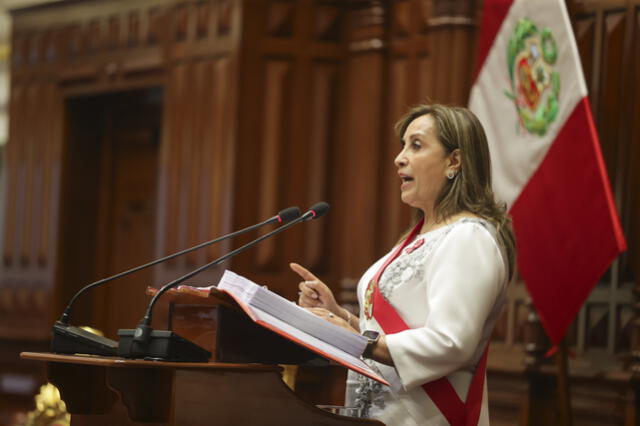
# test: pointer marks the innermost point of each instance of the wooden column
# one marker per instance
(360, 166)
(452, 27)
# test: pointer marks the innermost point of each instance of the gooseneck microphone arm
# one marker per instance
(283, 216)
(143, 331)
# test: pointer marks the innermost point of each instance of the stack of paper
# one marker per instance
(297, 324)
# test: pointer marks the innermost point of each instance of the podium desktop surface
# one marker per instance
(96, 391)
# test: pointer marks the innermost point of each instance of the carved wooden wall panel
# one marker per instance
(197, 165)
(276, 137)
(325, 97)
(33, 174)
(80, 49)
(114, 45)
(288, 133)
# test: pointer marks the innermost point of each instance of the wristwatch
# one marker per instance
(372, 338)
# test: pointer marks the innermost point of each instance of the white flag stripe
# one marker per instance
(515, 153)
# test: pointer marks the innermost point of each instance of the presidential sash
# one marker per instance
(441, 392)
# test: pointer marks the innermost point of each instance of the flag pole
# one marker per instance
(563, 391)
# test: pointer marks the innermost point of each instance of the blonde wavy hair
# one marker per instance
(470, 190)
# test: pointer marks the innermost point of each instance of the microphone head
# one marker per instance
(319, 209)
(288, 214)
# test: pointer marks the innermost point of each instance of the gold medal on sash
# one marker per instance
(368, 300)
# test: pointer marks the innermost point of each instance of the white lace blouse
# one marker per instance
(448, 285)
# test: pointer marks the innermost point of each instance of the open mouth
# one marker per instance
(406, 179)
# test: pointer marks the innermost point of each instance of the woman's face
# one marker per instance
(422, 164)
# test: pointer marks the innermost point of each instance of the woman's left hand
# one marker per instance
(380, 351)
(332, 318)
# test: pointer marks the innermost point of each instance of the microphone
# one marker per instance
(317, 210)
(69, 339)
(143, 341)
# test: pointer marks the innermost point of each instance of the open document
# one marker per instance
(284, 317)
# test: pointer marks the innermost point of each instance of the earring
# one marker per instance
(451, 174)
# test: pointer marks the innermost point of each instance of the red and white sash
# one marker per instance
(441, 392)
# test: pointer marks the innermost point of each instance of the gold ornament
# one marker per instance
(50, 409)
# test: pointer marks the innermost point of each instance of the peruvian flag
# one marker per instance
(531, 97)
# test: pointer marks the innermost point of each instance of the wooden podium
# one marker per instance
(108, 391)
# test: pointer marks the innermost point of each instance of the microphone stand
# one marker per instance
(144, 342)
(70, 339)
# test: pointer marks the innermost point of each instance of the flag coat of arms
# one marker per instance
(531, 97)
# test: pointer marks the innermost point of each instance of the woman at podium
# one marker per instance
(429, 306)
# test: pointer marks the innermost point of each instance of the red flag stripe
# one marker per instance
(493, 15)
(561, 270)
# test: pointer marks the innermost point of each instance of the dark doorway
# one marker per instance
(109, 204)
